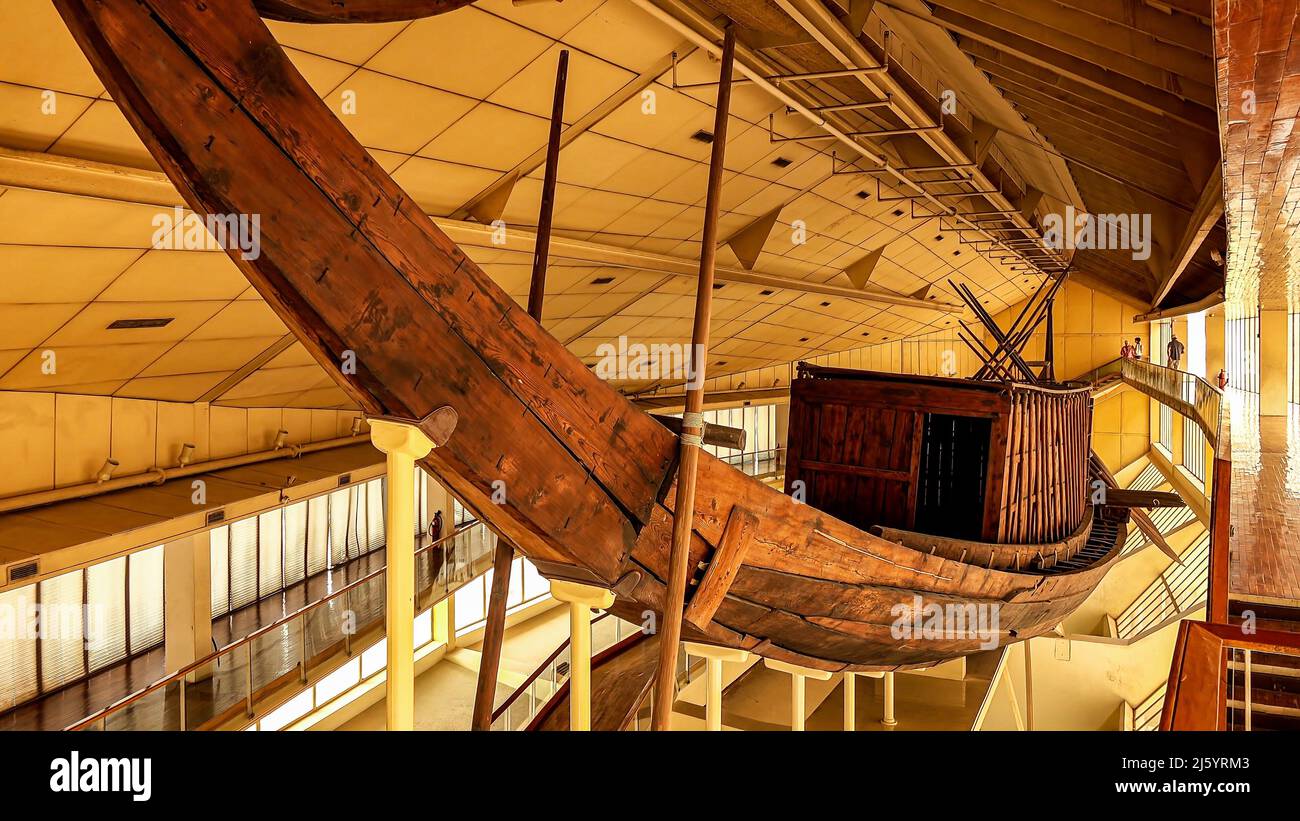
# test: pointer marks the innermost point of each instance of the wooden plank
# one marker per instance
(1123, 497)
(354, 11)
(740, 530)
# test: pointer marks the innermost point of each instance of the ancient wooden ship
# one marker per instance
(996, 474)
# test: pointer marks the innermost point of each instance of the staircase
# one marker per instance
(1274, 690)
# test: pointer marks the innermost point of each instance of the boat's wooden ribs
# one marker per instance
(723, 566)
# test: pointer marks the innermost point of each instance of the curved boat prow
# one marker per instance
(361, 275)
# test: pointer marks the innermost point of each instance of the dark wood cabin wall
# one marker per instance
(856, 444)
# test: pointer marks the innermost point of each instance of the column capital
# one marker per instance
(574, 593)
(399, 437)
(797, 670)
(713, 651)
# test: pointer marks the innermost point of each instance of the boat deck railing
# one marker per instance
(263, 668)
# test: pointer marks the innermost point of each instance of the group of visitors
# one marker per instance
(1174, 351)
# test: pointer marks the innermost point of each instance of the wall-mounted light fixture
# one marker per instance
(106, 472)
(281, 438)
(187, 455)
(356, 425)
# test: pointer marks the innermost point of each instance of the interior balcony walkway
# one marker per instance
(1264, 566)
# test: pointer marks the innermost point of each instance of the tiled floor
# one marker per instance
(1265, 557)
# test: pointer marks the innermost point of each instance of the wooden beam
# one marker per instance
(354, 11)
(1179, 29)
(692, 422)
(717, 435)
(1209, 208)
(494, 630)
(989, 22)
(1018, 52)
(1090, 33)
(725, 563)
(1079, 99)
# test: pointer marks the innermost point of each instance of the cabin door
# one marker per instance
(953, 474)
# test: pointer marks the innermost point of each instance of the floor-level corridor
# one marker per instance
(1265, 557)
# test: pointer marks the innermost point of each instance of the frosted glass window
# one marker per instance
(62, 651)
(219, 541)
(146, 598)
(270, 570)
(318, 534)
(469, 604)
(106, 613)
(535, 584)
(18, 651)
(295, 542)
(424, 628)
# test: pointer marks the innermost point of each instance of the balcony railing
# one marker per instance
(261, 669)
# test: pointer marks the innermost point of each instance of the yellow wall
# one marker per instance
(52, 440)
(1121, 427)
(1089, 328)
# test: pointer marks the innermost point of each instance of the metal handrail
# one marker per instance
(212, 658)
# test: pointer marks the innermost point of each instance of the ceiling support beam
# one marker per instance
(46, 172)
(482, 236)
(703, 32)
(1209, 208)
(1028, 38)
(993, 43)
(1101, 41)
(846, 48)
(1183, 30)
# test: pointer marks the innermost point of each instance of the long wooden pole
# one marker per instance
(670, 628)
(503, 561)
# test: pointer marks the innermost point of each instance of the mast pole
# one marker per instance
(503, 560)
(670, 629)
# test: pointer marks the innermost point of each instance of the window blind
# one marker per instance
(219, 539)
(62, 651)
(318, 534)
(243, 563)
(105, 617)
(18, 652)
(339, 526)
(375, 513)
(270, 558)
(295, 542)
(146, 597)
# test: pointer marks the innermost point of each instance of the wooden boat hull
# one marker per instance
(362, 276)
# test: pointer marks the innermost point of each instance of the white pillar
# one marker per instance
(889, 720)
(798, 677)
(581, 598)
(714, 657)
(403, 444)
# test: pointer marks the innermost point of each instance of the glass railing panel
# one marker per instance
(156, 710)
